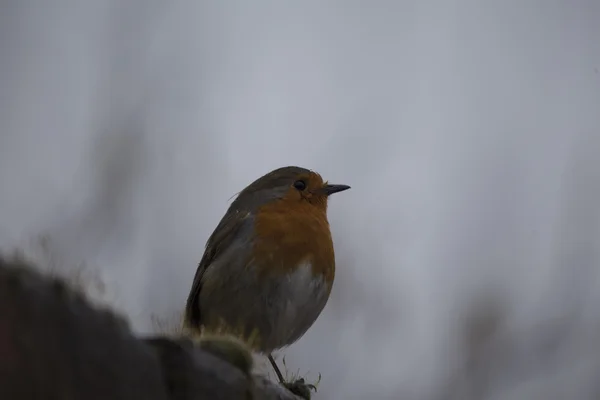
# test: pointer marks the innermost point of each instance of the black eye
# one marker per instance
(300, 185)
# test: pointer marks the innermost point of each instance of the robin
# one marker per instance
(268, 267)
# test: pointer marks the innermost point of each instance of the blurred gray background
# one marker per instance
(467, 249)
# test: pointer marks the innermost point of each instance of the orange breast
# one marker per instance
(288, 235)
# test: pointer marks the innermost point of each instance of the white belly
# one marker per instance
(298, 299)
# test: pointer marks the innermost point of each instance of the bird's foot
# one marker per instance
(300, 388)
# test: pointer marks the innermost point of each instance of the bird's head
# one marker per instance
(294, 185)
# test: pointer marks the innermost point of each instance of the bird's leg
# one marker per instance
(276, 368)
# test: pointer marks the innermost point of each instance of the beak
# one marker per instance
(328, 190)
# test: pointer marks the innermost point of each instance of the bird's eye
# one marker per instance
(300, 185)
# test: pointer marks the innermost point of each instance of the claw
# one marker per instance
(301, 388)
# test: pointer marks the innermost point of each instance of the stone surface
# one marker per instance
(55, 345)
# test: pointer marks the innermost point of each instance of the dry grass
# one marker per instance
(168, 326)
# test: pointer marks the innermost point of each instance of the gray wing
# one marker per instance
(221, 239)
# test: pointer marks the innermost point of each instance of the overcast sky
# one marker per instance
(469, 132)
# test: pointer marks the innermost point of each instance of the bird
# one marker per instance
(268, 267)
